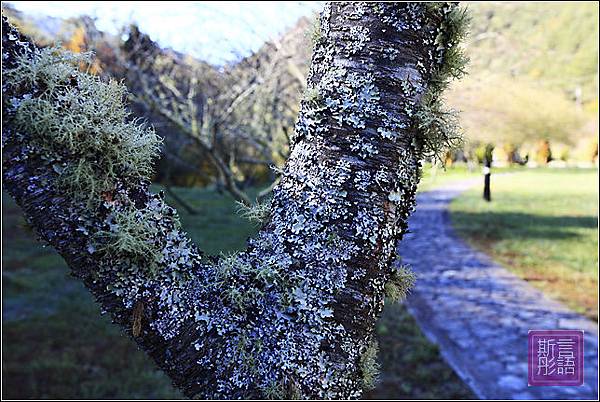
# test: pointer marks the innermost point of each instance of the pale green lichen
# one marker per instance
(79, 117)
(401, 280)
(312, 97)
(437, 124)
(131, 232)
(274, 391)
(314, 32)
(257, 213)
(243, 283)
(439, 128)
(369, 365)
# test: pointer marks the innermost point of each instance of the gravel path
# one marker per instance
(479, 313)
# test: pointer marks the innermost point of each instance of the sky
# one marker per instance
(217, 32)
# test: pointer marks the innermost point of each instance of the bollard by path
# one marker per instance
(487, 172)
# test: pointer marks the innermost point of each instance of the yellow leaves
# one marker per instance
(77, 43)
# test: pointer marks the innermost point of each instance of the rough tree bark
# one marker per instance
(293, 315)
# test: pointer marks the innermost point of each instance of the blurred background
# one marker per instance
(221, 83)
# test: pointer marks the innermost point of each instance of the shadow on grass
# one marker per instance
(504, 225)
(411, 367)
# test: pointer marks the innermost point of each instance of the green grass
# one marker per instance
(437, 176)
(57, 345)
(217, 227)
(542, 224)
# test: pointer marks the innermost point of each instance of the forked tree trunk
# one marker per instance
(293, 315)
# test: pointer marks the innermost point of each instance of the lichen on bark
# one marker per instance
(292, 315)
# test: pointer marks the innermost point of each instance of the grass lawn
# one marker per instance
(57, 345)
(436, 176)
(542, 224)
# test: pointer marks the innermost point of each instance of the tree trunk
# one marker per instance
(293, 315)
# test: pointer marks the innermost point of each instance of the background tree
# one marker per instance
(248, 140)
(293, 315)
(238, 119)
(530, 81)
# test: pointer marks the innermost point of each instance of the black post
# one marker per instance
(487, 172)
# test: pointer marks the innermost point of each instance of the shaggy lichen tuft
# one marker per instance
(257, 213)
(401, 280)
(436, 124)
(274, 391)
(132, 232)
(77, 117)
(369, 365)
(312, 97)
(314, 32)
